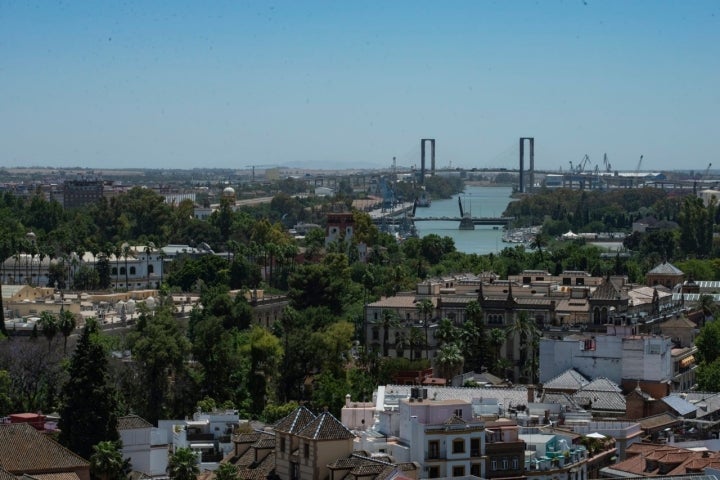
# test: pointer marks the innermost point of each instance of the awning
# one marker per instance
(687, 361)
(201, 446)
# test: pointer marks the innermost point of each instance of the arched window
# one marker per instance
(122, 270)
(113, 271)
(132, 270)
(151, 269)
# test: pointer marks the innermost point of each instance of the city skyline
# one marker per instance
(354, 84)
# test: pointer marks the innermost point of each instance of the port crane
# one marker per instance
(580, 167)
(606, 163)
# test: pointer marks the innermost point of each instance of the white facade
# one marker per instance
(147, 450)
(140, 268)
(617, 355)
(442, 435)
(208, 434)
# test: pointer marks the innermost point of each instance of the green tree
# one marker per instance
(390, 321)
(160, 347)
(3, 330)
(49, 325)
(450, 361)
(66, 324)
(708, 343)
(426, 308)
(265, 352)
(106, 461)
(88, 415)
(228, 471)
(183, 465)
(475, 336)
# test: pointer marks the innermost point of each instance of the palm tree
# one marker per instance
(149, 248)
(66, 325)
(446, 332)
(117, 251)
(107, 462)
(416, 341)
(450, 361)
(474, 334)
(497, 338)
(526, 331)
(3, 330)
(126, 254)
(183, 465)
(227, 471)
(425, 309)
(389, 320)
(707, 305)
(49, 326)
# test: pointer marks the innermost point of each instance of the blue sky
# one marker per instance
(350, 84)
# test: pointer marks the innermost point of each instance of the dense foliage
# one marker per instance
(315, 352)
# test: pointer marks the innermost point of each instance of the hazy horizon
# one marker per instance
(341, 85)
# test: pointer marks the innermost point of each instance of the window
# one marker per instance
(113, 271)
(526, 280)
(475, 470)
(376, 333)
(282, 445)
(475, 447)
(306, 450)
(458, 471)
(458, 412)
(151, 269)
(515, 463)
(132, 270)
(433, 472)
(458, 446)
(493, 465)
(579, 281)
(504, 464)
(122, 270)
(434, 449)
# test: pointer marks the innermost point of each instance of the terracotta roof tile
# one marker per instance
(259, 471)
(5, 475)
(326, 427)
(23, 449)
(296, 421)
(131, 422)
(54, 476)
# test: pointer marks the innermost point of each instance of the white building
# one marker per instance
(619, 354)
(208, 434)
(145, 445)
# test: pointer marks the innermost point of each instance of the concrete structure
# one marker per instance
(208, 434)
(339, 227)
(620, 354)
(145, 445)
(82, 192)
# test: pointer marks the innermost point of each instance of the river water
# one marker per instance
(479, 202)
